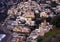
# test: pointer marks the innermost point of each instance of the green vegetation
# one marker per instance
(56, 21)
(48, 36)
(52, 32)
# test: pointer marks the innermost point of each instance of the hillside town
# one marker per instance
(28, 20)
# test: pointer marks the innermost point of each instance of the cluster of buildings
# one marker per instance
(27, 22)
(29, 19)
